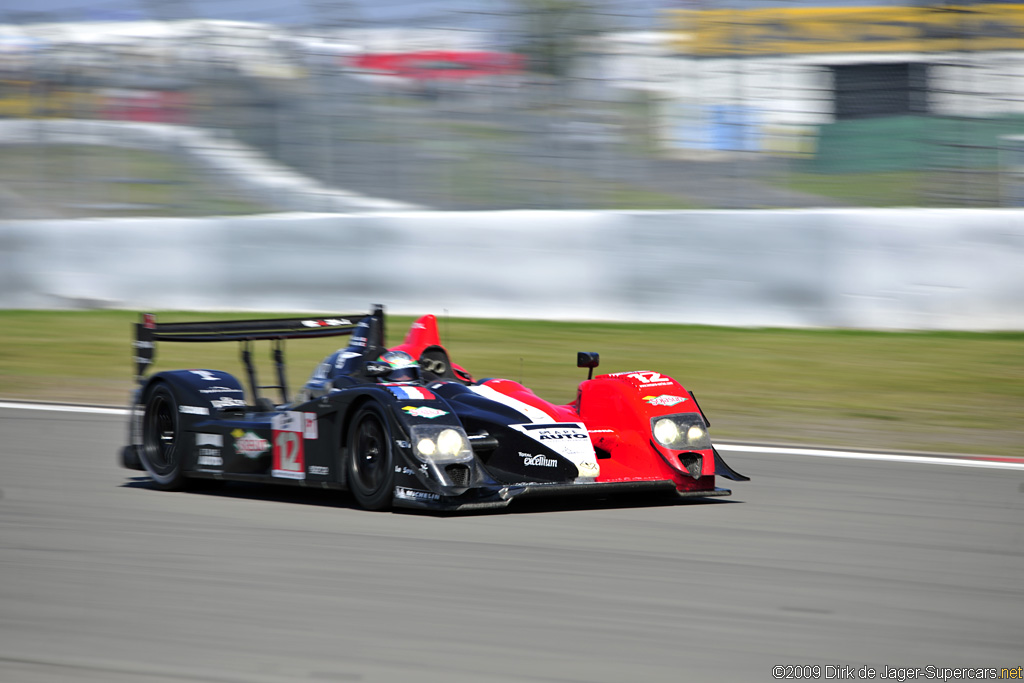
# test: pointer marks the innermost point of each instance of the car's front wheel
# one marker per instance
(371, 472)
(162, 447)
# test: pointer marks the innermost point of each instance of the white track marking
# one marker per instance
(53, 407)
(886, 457)
(733, 448)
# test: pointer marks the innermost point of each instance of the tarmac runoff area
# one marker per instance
(819, 561)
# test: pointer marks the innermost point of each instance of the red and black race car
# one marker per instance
(405, 427)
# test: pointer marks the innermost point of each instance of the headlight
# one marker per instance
(441, 444)
(450, 442)
(426, 447)
(685, 431)
(667, 433)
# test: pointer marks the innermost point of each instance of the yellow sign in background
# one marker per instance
(849, 29)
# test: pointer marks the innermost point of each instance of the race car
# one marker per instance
(406, 427)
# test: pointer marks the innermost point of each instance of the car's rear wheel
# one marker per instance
(162, 447)
(371, 472)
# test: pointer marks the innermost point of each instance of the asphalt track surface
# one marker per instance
(816, 561)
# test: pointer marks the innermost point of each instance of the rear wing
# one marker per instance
(148, 331)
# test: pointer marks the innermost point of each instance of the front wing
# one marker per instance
(413, 494)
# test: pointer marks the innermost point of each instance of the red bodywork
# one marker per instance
(617, 410)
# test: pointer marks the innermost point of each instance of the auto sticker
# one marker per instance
(537, 460)
(250, 445)
(206, 375)
(221, 390)
(208, 450)
(209, 457)
(569, 439)
(414, 494)
(309, 428)
(424, 411)
(665, 400)
(289, 458)
(225, 402)
(193, 410)
(215, 440)
(326, 322)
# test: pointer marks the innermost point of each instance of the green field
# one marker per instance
(946, 392)
(77, 181)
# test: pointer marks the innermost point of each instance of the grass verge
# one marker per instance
(90, 180)
(950, 392)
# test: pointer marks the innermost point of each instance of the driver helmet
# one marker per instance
(403, 367)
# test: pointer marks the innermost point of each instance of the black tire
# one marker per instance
(162, 447)
(371, 471)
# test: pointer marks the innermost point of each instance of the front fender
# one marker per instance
(619, 408)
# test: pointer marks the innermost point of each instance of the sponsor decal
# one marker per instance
(538, 460)
(286, 421)
(319, 470)
(407, 393)
(143, 344)
(588, 469)
(414, 494)
(424, 469)
(326, 322)
(289, 457)
(225, 402)
(568, 439)
(321, 371)
(377, 368)
(575, 435)
(215, 440)
(405, 470)
(666, 400)
(424, 411)
(193, 410)
(149, 321)
(250, 445)
(358, 339)
(206, 375)
(339, 362)
(209, 457)
(310, 428)
(221, 390)
(402, 444)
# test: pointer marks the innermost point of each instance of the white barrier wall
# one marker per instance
(877, 268)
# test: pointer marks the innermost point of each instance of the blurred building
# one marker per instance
(512, 105)
(768, 79)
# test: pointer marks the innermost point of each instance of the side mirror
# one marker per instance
(588, 359)
(374, 368)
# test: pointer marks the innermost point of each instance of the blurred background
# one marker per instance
(500, 104)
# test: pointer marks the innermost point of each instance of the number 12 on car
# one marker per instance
(289, 455)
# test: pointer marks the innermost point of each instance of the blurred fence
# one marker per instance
(857, 268)
(551, 105)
